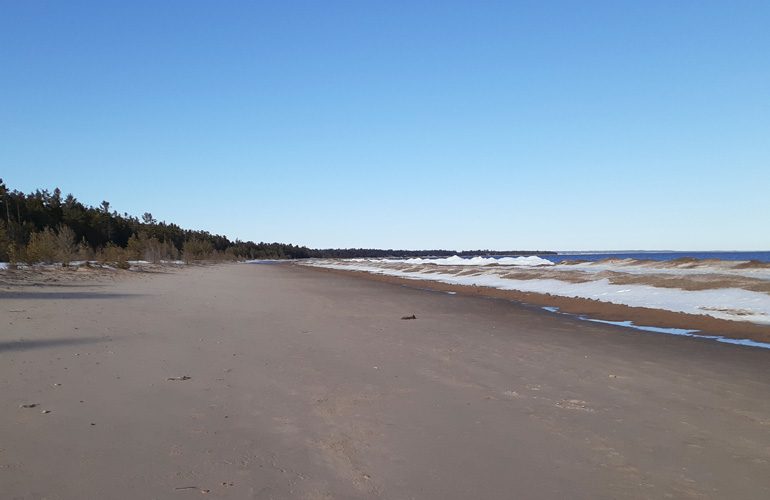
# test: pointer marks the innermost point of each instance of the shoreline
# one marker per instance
(588, 308)
(583, 308)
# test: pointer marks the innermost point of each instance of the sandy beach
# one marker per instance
(279, 381)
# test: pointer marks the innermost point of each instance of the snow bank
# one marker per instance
(734, 304)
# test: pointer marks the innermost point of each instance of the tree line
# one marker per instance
(46, 227)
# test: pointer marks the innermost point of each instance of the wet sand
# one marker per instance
(274, 381)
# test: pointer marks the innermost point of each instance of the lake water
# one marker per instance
(660, 256)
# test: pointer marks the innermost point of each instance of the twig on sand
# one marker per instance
(183, 377)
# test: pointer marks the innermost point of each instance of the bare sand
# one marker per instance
(274, 381)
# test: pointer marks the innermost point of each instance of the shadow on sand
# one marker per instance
(26, 345)
(67, 295)
(50, 284)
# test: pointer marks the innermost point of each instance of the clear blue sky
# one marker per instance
(552, 125)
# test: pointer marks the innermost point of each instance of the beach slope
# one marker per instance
(277, 381)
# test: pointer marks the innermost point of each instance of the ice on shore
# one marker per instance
(483, 261)
(682, 332)
(682, 267)
(582, 281)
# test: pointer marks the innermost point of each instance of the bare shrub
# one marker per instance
(113, 255)
(16, 255)
(84, 251)
(41, 247)
(225, 256)
(195, 249)
(65, 244)
(153, 250)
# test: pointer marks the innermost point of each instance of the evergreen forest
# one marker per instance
(46, 227)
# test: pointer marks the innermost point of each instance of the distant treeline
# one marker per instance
(45, 227)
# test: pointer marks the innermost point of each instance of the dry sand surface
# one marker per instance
(274, 381)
